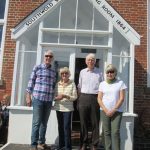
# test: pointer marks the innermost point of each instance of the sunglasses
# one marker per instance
(50, 56)
(111, 72)
(65, 73)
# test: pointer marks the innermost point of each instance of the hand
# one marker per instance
(28, 100)
(110, 113)
(59, 97)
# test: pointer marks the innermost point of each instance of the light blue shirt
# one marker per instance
(89, 81)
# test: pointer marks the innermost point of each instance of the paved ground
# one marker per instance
(75, 142)
(27, 147)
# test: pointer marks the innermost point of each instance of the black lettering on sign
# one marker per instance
(121, 24)
(39, 14)
(98, 2)
(108, 11)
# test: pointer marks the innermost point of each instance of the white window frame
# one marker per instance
(3, 22)
(148, 43)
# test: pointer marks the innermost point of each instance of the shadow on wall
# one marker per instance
(141, 103)
(126, 134)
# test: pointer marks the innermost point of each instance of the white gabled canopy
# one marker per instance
(101, 5)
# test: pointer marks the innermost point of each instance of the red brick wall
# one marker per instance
(18, 10)
(135, 13)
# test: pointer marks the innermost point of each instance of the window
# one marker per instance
(2, 11)
(3, 4)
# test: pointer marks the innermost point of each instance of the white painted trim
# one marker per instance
(14, 74)
(110, 44)
(59, 23)
(72, 64)
(19, 102)
(4, 146)
(75, 39)
(75, 45)
(2, 21)
(96, 32)
(110, 40)
(19, 107)
(31, 108)
(126, 114)
(3, 36)
(131, 79)
(35, 17)
(121, 25)
(121, 56)
(39, 49)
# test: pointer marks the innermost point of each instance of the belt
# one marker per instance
(89, 94)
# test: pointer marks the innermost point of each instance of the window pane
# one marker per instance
(1, 30)
(122, 64)
(25, 64)
(2, 8)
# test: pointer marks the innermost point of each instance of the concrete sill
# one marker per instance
(19, 108)
(128, 114)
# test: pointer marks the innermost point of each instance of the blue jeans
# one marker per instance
(41, 112)
(64, 129)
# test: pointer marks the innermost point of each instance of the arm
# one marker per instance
(30, 87)
(119, 102)
(79, 84)
(28, 99)
(100, 96)
(73, 96)
(68, 97)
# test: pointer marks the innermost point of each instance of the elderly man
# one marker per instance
(89, 80)
(41, 87)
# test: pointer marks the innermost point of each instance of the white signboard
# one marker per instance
(121, 25)
(29, 21)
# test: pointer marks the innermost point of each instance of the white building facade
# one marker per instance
(71, 28)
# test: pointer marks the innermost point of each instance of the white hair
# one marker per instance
(91, 55)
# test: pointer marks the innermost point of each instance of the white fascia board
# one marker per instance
(119, 23)
(35, 17)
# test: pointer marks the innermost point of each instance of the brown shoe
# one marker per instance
(33, 148)
(93, 148)
(83, 147)
(43, 147)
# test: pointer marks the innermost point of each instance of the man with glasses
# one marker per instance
(41, 89)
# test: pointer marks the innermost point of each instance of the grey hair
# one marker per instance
(64, 69)
(49, 52)
(91, 55)
(111, 67)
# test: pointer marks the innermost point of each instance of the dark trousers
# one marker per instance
(89, 111)
(64, 129)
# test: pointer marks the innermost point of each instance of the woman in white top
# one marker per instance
(65, 94)
(110, 98)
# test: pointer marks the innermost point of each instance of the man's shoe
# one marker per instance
(33, 148)
(83, 147)
(93, 148)
(43, 147)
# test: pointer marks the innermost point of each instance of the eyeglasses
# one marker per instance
(65, 73)
(111, 72)
(50, 56)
